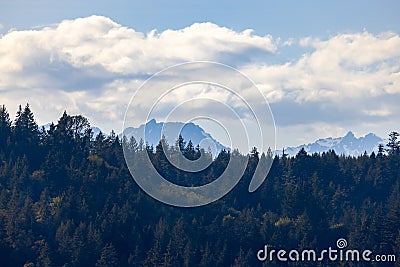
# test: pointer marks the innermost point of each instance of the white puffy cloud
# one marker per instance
(93, 66)
(359, 50)
(349, 81)
(346, 65)
(98, 43)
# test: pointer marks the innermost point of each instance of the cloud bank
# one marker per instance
(93, 65)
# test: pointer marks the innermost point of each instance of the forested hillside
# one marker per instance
(67, 199)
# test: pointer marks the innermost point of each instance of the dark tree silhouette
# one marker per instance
(5, 128)
(67, 199)
(393, 144)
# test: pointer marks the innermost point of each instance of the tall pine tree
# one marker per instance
(5, 128)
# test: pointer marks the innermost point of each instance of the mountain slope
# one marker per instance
(348, 145)
(153, 131)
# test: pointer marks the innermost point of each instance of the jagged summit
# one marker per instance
(348, 145)
(349, 135)
(189, 131)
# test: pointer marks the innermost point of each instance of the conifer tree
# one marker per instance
(393, 144)
(108, 257)
(5, 127)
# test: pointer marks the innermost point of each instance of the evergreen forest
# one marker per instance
(67, 199)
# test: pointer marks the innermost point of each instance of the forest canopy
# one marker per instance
(67, 199)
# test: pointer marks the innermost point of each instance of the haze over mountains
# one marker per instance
(190, 131)
(348, 145)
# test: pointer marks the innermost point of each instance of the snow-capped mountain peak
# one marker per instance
(348, 145)
(154, 130)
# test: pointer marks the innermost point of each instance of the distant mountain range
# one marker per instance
(189, 131)
(348, 145)
(153, 129)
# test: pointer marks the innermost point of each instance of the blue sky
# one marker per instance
(279, 18)
(326, 67)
